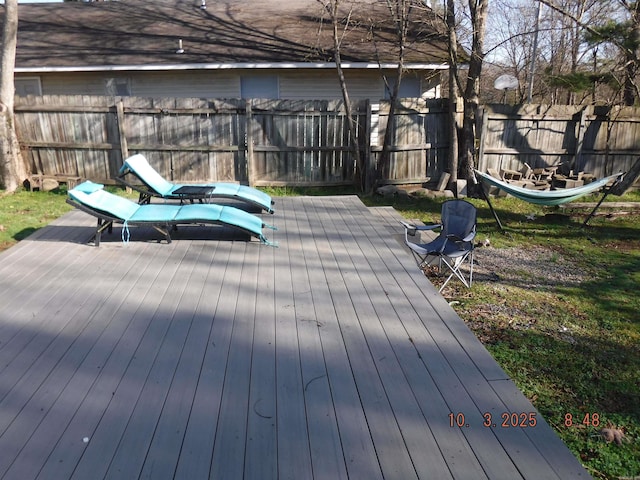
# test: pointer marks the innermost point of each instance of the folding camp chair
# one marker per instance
(453, 247)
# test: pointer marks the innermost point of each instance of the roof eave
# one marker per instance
(228, 66)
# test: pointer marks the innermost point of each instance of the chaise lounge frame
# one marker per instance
(106, 219)
(154, 185)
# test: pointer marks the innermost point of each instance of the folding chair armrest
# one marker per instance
(407, 225)
(469, 237)
(429, 227)
(456, 238)
(411, 229)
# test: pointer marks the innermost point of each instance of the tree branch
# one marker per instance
(591, 30)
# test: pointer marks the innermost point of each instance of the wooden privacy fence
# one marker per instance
(306, 143)
(260, 142)
(419, 141)
(598, 140)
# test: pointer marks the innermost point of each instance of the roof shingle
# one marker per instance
(139, 33)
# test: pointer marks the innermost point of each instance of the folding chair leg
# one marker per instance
(454, 267)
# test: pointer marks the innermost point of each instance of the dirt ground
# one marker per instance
(508, 270)
(533, 267)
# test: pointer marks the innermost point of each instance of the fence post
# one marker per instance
(251, 167)
(577, 159)
(124, 148)
(369, 158)
(483, 136)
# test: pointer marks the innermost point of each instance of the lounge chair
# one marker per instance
(154, 185)
(109, 209)
(453, 247)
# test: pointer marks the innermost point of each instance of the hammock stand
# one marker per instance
(548, 197)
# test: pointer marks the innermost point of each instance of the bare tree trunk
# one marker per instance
(364, 182)
(399, 11)
(384, 160)
(452, 160)
(633, 58)
(629, 179)
(12, 168)
(478, 11)
(574, 34)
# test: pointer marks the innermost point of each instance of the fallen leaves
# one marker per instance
(614, 434)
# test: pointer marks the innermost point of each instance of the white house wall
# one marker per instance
(73, 84)
(325, 86)
(317, 84)
(186, 84)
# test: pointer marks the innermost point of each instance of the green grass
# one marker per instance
(22, 213)
(573, 349)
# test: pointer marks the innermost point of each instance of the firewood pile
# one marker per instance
(546, 178)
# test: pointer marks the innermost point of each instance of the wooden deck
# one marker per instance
(330, 357)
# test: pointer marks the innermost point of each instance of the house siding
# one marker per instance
(73, 84)
(324, 85)
(151, 84)
(320, 84)
(186, 84)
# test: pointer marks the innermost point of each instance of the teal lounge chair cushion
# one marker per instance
(88, 187)
(157, 213)
(158, 186)
(92, 198)
(223, 189)
(106, 202)
(142, 168)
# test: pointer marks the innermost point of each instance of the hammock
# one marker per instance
(547, 197)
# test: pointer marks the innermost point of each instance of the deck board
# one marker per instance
(47, 384)
(373, 308)
(288, 356)
(309, 312)
(332, 305)
(430, 331)
(384, 292)
(331, 357)
(119, 323)
(163, 383)
(194, 458)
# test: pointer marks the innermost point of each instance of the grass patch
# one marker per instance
(23, 212)
(570, 346)
(308, 191)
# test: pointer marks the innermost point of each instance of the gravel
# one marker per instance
(532, 267)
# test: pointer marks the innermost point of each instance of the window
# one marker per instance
(28, 86)
(118, 87)
(409, 87)
(259, 86)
